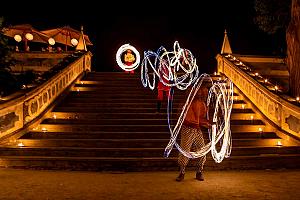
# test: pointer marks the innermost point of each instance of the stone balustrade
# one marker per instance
(19, 112)
(280, 111)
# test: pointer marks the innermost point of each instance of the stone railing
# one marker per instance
(281, 112)
(17, 113)
(36, 61)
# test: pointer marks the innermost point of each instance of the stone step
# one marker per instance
(135, 143)
(121, 103)
(132, 135)
(83, 100)
(91, 122)
(133, 152)
(126, 88)
(162, 115)
(109, 115)
(132, 89)
(114, 104)
(114, 75)
(117, 110)
(135, 121)
(113, 94)
(136, 128)
(290, 161)
(125, 93)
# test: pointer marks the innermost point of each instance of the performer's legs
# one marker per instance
(160, 96)
(199, 143)
(185, 143)
(170, 95)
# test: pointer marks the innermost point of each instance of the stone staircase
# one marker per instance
(108, 122)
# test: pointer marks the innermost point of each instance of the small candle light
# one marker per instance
(20, 144)
(279, 143)
(44, 129)
(260, 130)
(266, 80)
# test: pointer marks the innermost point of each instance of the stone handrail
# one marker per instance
(17, 113)
(280, 111)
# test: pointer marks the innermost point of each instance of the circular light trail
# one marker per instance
(120, 53)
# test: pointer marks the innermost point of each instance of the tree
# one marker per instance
(5, 50)
(283, 15)
(293, 48)
(8, 82)
(272, 16)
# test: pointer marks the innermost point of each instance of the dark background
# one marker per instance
(147, 25)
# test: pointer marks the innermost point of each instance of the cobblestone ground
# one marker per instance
(55, 185)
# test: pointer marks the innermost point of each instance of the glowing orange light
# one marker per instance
(279, 143)
(44, 129)
(21, 144)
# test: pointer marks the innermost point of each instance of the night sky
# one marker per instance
(149, 25)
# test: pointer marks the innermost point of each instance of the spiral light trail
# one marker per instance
(178, 69)
(182, 71)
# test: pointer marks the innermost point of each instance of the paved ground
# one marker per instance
(47, 185)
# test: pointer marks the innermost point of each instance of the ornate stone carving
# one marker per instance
(8, 121)
(293, 122)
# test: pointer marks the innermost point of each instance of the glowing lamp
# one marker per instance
(21, 144)
(256, 74)
(260, 130)
(18, 38)
(251, 117)
(51, 41)
(266, 80)
(74, 42)
(29, 36)
(297, 98)
(44, 129)
(54, 116)
(279, 143)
